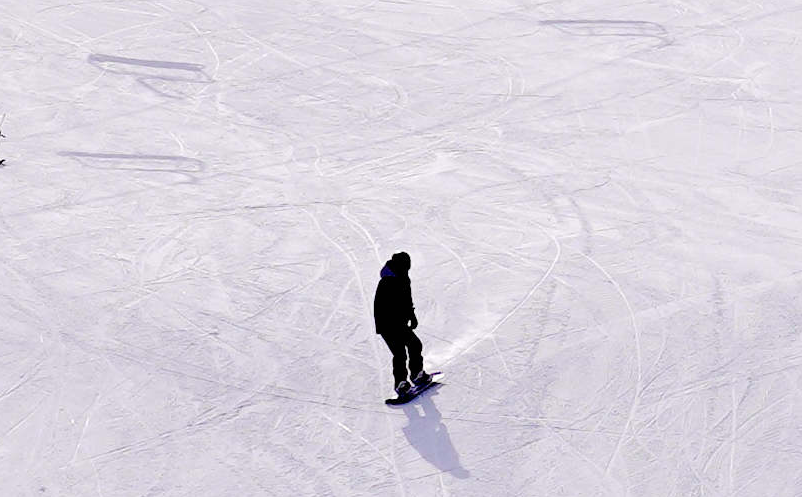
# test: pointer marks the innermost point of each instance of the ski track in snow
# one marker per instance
(601, 202)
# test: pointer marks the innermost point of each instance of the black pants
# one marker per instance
(400, 341)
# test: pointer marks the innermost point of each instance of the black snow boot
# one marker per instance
(402, 387)
(422, 378)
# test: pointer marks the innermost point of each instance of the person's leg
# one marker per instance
(396, 343)
(415, 348)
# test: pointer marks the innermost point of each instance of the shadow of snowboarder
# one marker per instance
(429, 436)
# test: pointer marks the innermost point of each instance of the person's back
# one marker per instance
(392, 306)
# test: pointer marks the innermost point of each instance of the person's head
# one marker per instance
(401, 262)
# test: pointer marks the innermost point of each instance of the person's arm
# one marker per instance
(413, 320)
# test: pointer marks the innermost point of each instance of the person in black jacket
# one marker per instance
(395, 319)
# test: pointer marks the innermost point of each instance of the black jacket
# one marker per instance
(392, 306)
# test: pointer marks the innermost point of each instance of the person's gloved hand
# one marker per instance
(413, 322)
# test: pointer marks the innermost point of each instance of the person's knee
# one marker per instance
(400, 354)
(414, 344)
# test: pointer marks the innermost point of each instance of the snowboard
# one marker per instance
(414, 391)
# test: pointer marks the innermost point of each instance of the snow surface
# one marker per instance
(601, 200)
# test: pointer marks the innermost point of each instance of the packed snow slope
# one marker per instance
(601, 200)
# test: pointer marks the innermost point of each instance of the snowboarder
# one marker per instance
(395, 319)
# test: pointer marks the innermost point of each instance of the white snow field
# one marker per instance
(602, 201)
